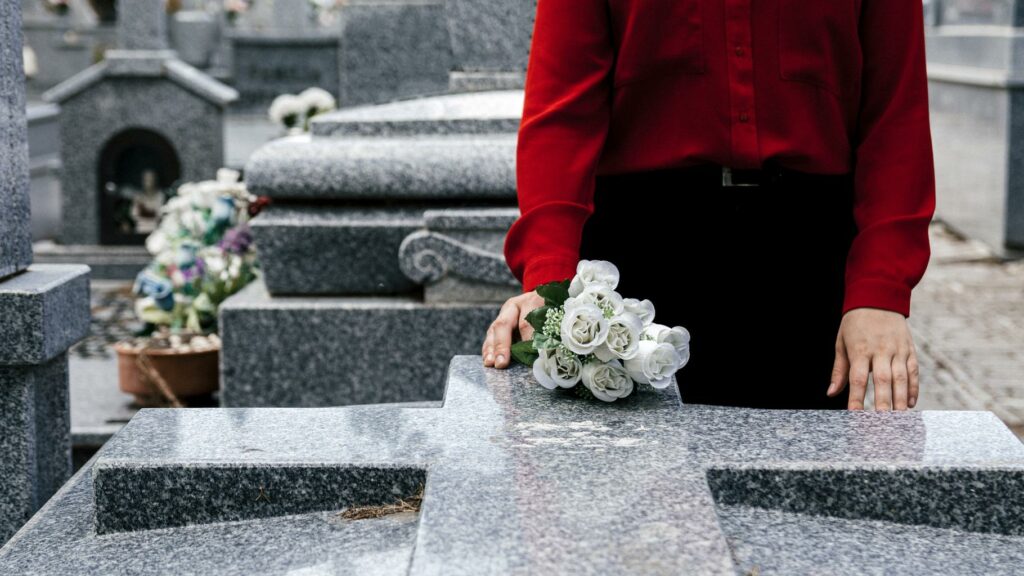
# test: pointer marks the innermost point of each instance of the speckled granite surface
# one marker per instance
(522, 480)
(43, 311)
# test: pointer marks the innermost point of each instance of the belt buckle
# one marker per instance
(727, 179)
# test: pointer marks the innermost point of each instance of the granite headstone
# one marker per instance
(43, 311)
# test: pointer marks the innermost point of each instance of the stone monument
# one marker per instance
(976, 96)
(141, 110)
(277, 48)
(63, 44)
(517, 479)
(43, 311)
(381, 253)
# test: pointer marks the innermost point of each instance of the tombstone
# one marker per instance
(491, 43)
(393, 50)
(43, 311)
(385, 234)
(132, 128)
(276, 49)
(976, 93)
(520, 479)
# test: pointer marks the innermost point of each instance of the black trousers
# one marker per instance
(756, 274)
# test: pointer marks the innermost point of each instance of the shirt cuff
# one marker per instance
(546, 270)
(875, 293)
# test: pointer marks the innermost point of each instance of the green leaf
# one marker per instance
(544, 342)
(524, 353)
(554, 293)
(537, 317)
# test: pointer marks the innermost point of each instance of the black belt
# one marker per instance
(769, 174)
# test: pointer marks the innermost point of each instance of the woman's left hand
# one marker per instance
(877, 341)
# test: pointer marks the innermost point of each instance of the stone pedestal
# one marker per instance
(43, 311)
(976, 93)
(381, 253)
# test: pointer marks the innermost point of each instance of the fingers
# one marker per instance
(881, 373)
(840, 370)
(912, 377)
(499, 336)
(859, 366)
(899, 382)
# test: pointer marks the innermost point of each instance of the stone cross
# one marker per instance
(15, 221)
(142, 24)
(519, 479)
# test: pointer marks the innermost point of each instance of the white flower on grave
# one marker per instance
(584, 328)
(214, 262)
(655, 363)
(157, 242)
(593, 272)
(557, 367)
(599, 295)
(607, 381)
(677, 336)
(317, 101)
(194, 222)
(623, 339)
(288, 110)
(642, 308)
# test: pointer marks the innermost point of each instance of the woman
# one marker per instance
(761, 171)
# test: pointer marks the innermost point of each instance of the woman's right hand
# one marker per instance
(511, 319)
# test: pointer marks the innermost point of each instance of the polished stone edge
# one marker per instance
(427, 257)
(131, 496)
(399, 168)
(981, 498)
(43, 312)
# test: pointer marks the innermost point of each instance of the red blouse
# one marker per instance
(623, 85)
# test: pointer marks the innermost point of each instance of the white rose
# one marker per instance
(590, 272)
(677, 336)
(583, 328)
(317, 100)
(157, 242)
(642, 308)
(557, 367)
(599, 295)
(287, 110)
(623, 339)
(607, 381)
(654, 364)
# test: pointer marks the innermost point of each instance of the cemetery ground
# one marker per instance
(967, 313)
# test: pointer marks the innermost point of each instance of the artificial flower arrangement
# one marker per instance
(294, 112)
(203, 252)
(589, 338)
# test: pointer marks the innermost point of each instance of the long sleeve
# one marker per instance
(894, 183)
(561, 135)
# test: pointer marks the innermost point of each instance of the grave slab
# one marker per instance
(522, 480)
(309, 351)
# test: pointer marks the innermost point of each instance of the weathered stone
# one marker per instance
(142, 24)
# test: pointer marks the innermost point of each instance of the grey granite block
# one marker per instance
(489, 112)
(34, 438)
(264, 67)
(307, 250)
(491, 35)
(15, 222)
(455, 167)
(142, 24)
(524, 480)
(336, 351)
(43, 311)
(392, 50)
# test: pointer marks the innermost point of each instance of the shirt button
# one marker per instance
(739, 50)
(744, 117)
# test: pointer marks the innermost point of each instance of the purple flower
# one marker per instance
(236, 240)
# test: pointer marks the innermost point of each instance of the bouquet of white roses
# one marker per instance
(589, 338)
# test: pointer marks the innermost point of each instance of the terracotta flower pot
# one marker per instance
(167, 376)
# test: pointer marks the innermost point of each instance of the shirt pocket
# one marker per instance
(657, 38)
(818, 41)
